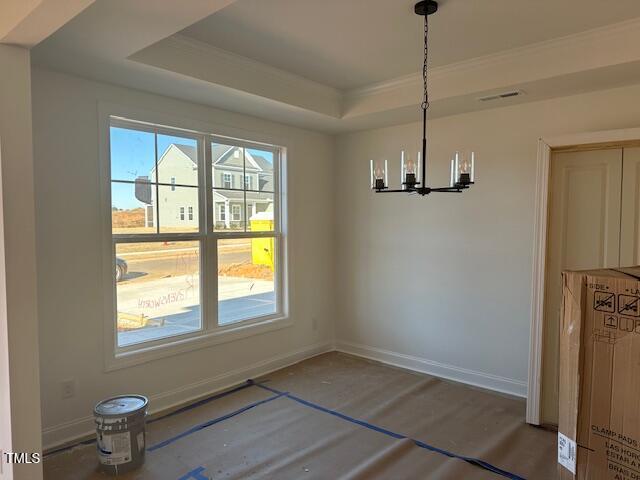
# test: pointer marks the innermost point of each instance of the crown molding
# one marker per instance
(597, 48)
(601, 34)
(455, 86)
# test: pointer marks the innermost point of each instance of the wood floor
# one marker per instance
(339, 417)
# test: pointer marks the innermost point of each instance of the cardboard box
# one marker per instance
(599, 424)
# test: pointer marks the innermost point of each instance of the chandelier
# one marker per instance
(413, 174)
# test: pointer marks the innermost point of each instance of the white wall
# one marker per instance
(19, 381)
(65, 117)
(443, 283)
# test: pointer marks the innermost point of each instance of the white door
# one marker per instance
(583, 233)
(630, 226)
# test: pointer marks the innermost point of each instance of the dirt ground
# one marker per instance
(246, 270)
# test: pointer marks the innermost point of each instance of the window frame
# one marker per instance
(211, 332)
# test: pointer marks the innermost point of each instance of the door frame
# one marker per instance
(546, 145)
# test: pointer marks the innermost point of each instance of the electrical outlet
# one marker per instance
(68, 388)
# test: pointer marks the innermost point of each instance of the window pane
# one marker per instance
(246, 279)
(158, 290)
(260, 212)
(177, 160)
(128, 213)
(227, 166)
(259, 166)
(132, 153)
(228, 211)
(174, 206)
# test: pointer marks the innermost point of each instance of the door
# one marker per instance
(630, 225)
(583, 233)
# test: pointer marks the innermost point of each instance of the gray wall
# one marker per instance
(69, 256)
(443, 283)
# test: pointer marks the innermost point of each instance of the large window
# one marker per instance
(196, 247)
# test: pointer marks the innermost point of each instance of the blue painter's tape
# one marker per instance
(209, 423)
(176, 412)
(473, 461)
(195, 474)
(203, 401)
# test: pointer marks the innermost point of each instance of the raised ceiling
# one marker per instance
(316, 64)
(347, 44)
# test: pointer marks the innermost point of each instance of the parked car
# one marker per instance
(121, 268)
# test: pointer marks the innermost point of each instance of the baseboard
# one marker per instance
(75, 430)
(470, 377)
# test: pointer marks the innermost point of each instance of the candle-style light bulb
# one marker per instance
(380, 176)
(411, 167)
(410, 174)
(465, 164)
(463, 170)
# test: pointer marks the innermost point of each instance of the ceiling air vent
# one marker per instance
(499, 96)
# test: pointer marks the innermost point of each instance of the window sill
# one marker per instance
(225, 334)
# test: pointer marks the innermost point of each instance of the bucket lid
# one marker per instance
(120, 405)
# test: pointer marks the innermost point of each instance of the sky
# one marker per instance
(133, 155)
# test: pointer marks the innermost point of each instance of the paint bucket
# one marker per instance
(120, 432)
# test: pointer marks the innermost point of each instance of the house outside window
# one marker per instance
(170, 300)
(247, 182)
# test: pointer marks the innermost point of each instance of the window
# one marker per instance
(164, 285)
(236, 213)
(249, 242)
(227, 180)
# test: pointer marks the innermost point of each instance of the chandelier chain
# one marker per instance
(425, 97)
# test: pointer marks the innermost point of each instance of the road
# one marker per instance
(147, 268)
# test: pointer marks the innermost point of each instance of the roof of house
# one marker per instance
(188, 150)
(224, 154)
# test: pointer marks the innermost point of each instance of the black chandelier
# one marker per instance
(413, 174)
